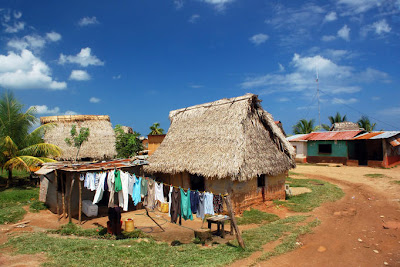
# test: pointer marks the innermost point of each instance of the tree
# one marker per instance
(365, 123)
(333, 120)
(20, 149)
(155, 129)
(127, 144)
(79, 139)
(304, 126)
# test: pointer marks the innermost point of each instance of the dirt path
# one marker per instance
(351, 233)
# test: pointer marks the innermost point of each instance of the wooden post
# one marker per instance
(233, 220)
(56, 185)
(63, 195)
(69, 198)
(80, 201)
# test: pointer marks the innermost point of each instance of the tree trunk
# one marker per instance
(10, 177)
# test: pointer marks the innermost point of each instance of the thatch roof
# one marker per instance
(232, 138)
(345, 126)
(101, 141)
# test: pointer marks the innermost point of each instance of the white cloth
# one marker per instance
(170, 199)
(132, 181)
(100, 188)
(111, 188)
(159, 192)
(123, 195)
(208, 203)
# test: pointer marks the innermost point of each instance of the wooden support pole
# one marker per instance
(233, 220)
(56, 185)
(69, 198)
(147, 212)
(63, 195)
(80, 201)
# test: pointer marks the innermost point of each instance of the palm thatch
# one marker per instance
(344, 126)
(232, 138)
(101, 141)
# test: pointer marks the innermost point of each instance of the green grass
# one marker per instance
(321, 192)
(375, 175)
(396, 182)
(12, 201)
(256, 216)
(16, 174)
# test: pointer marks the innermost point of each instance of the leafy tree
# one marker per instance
(127, 144)
(304, 126)
(155, 129)
(77, 140)
(365, 123)
(333, 120)
(20, 149)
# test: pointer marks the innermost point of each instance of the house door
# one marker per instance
(197, 182)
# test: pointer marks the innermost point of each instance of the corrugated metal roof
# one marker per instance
(377, 135)
(342, 135)
(367, 135)
(394, 141)
(296, 137)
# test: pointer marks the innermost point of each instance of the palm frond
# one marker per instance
(27, 163)
(41, 149)
(8, 147)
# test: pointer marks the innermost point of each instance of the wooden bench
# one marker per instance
(220, 221)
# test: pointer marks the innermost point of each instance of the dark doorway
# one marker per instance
(197, 182)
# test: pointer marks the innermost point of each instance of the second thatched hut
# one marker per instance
(227, 146)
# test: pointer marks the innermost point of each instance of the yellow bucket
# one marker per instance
(164, 207)
(129, 225)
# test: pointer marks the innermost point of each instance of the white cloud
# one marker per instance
(79, 75)
(85, 21)
(283, 99)
(83, 58)
(16, 27)
(196, 86)
(381, 27)
(43, 109)
(376, 98)
(70, 112)
(94, 100)
(218, 4)
(344, 101)
(53, 36)
(344, 33)
(281, 67)
(117, 77)
(351, 7)
(25, 71)
(178, 4)
(328, 38)
(331, 16)
(17, 14)
(371, 75)
(194, 18)
(393, 111)
(258, 39)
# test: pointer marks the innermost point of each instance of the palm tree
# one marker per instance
(304, 126)
(365, 123)
(155, 129)
(20, 149)
(333, 120)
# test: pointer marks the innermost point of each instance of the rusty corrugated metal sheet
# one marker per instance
(322, 136)
(367, 135)
(395, 140)
(297, 137)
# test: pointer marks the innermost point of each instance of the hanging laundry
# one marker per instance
(169, 200)
(132, 180)
(176, 205)
(218, 203)
(143, 188)
(100, 188)
(106, 183)
(194, 201)
(123, 194)
(81, 177)
(186, 211)
(136, 191)
(111, 190)
(96, 179)
(118, 184)
(150, 203)
(159, 192)
(208, 203)
(200, 208)
(166, 192)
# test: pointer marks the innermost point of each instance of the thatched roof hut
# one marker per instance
(345, 126)
(233, 138)
(101, 141)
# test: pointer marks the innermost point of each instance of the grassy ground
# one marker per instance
(257, 217)
(375, 175)
(12, 201)
(396, 182)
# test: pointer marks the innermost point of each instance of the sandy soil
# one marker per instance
(368, 203)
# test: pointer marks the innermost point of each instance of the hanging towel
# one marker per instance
(100, 188)
(143, 188)
(200, 208)
(118, 184)
(132, 180)
(136, 191)
(169, 202)
(218, 204)
(194, 201)
(208, 203)
(176, 206)
(185, 205)
(159, 192)
(110, 183)
(150, 194)
(123, 194)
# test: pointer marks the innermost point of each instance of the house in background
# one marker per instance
(345, 126)
(227, 146)
(300, 147)
(154, 141)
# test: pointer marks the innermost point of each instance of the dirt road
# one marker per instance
(352, 232)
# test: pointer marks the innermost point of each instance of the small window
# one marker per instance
(325, 148)
(261, 180)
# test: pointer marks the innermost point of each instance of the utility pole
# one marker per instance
(319, 110)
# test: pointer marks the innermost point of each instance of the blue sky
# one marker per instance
(138, 60)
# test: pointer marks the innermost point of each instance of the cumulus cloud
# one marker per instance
(331, 16)
(258, 39)
(43, 109)
(94, 100)
(344, 33)
(53, 36)
(10, 21)
(70, 112)
(281, 67)
(85, 21)
(218, 4)
(117, 77)
(26, 71)
(15, 27)
(344, 101)
(328, 38)
(83, 58)
(194, 18)
(79, 75)
(379, 28)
